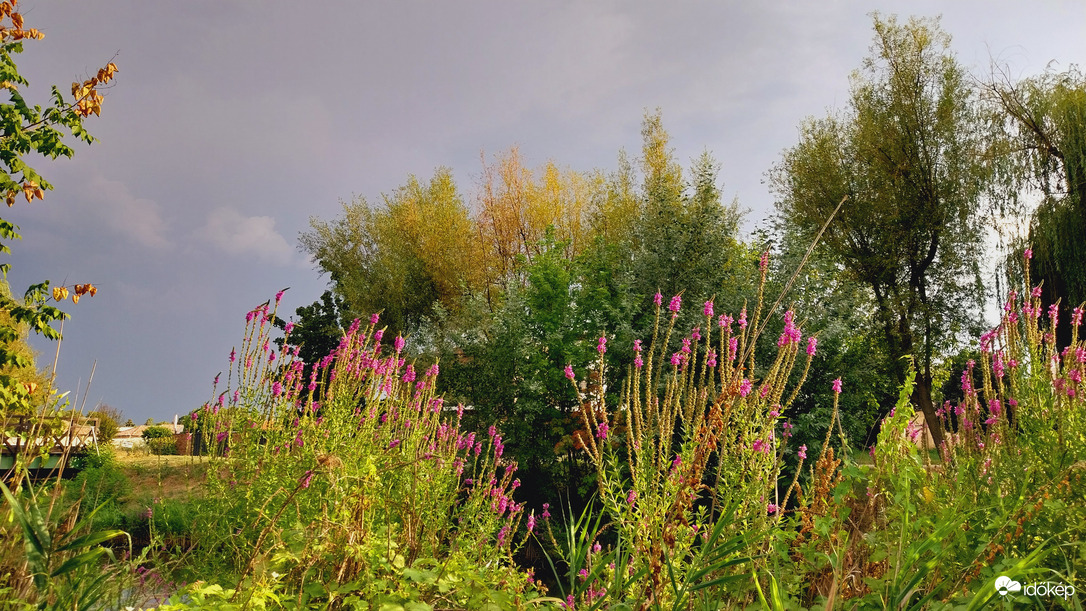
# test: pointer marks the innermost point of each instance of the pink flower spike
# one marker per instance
(676, 304)
(569, 372)
(802, 453)
(375, 318)
(745, 387)
(397, 344)
(657, 299)
(1028, 253)
(771, 509)
(743, 318)
(279, 296)
(812, 345)
(602, 347)
(708, 311)
(837, 386)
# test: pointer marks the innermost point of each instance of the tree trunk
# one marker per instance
(922, 398)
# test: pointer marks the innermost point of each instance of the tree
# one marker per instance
(34, 384)
(26, 130)
(906, 154)
(1044, 119)
(108, 421)
(404, 257)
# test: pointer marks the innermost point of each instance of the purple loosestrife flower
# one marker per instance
(638, 362)
(602, 347)
(837, 386)
(1076, 317)
(675, 305)
(546, 511)
(601, 430)
(378, 335)
(711, 358)
(1028, 253)
(745, 387)
(569, 372)
(393, 444)
(277, 389)
(743, 318)
(696, 334)
(657, 299)
(802, 453)
(708, 310)
(631, 496)
(812, 345)
(686, 345)
(676, 358)
(374, 318)
(637, 346)
(787, 428)
(531, 522)
(771, 508)
(397, 344)
(306, 478)
(288, 328)
(409, 375)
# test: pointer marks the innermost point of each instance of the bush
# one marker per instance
(156, 432)
(162, 445)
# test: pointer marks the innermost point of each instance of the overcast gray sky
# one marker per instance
(234, 121)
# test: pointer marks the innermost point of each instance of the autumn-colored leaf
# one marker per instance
(60, 293)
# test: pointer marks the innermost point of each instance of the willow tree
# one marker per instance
(1045, 121)
(905, 153)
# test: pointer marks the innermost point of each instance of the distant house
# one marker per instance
(130, 437)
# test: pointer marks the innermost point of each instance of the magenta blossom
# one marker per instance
(812, 345)
(569, 372)
(676, 304)
(657, 299)
(1028, 253)
(745, 387)
(397, 344)
(837, 386)
(602, 346)
(708, 311)
(802, 453)
(771, 508)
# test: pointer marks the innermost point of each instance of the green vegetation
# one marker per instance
(589, 392)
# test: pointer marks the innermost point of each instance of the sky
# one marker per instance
(232, 122)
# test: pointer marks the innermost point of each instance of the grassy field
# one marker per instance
(162, 477)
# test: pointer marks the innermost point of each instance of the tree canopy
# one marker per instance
(907, 154)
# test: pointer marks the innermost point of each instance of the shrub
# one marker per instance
(156, 432)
